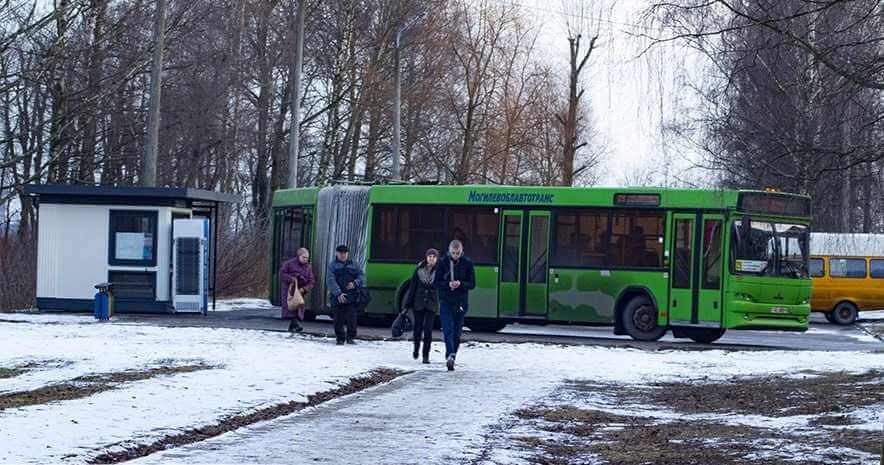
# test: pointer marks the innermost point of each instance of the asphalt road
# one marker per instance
(821, 336)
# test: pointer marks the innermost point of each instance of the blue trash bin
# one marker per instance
(104, 302)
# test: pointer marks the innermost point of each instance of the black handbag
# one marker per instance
(402, 324)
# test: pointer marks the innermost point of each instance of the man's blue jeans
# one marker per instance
(452, 325)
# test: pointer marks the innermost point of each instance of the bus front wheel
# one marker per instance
(844, 314)
(703, 335)
(640, 320)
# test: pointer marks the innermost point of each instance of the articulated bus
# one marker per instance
(848, 274)
(644, 260)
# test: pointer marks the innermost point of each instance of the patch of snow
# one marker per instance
(871, 315)
(837, 331)
(228, 305)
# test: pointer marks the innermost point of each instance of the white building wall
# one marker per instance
(72, 250)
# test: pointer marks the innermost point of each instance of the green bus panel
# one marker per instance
(385, 281)
(589, 296)
(483, 299)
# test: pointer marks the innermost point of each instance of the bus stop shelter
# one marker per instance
(125, 236)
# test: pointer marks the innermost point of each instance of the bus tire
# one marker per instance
(704, 335)
(844, 314)
(828, 316)
(640, 319)
(485, 325)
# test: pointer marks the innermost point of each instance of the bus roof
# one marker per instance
(484, 194)
(845, 244)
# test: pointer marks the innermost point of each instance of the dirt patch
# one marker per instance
(85, 386)
(875, 329)
(230, 423)
(584, 435)
(20, 369)
(558, 432)
(775, 396)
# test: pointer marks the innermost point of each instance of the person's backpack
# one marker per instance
(402, 324)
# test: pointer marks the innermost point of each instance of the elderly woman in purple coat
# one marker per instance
(297, 268)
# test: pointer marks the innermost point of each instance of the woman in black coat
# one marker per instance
(422, 300)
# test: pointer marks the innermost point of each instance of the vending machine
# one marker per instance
(190, 270)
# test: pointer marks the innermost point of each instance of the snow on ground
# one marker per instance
(838, 331)
(445, 412)
(871, 315)
(229, 305)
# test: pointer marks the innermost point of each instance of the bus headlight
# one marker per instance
(743, 296)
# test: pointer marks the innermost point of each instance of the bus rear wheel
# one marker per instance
(703, 335)
(844, 314)
(485, 325)
(640, 320)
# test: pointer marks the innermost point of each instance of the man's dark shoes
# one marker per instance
(414, 354)
(295, 327)
(426, 359)
(450, 363)
(339, 342)
(351, 342)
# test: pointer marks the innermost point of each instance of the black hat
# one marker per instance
(342, 248)
(431, 251)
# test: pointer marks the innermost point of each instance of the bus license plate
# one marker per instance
(779, 310)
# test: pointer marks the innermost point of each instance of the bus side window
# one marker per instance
(816, 268)
(681, 271)
(876, 266)
(712, 255)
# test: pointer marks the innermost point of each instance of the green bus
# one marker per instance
(644, 260)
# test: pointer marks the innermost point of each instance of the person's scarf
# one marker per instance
(426, 275)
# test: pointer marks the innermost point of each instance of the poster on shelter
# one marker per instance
(134, 246)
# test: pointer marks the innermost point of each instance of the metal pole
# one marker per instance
(397, 103)
(214, 256)
(294, 144)
(149, 168)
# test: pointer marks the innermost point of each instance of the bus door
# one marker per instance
(524, 264)
(681, 296)
(709, 307)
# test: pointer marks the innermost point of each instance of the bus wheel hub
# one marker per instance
(645, 318)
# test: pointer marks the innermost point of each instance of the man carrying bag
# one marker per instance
(345, 283)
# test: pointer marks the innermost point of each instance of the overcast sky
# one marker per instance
(627, 90)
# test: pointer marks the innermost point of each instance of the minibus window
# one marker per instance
(847, 268)
(877, 268)
(816, 268)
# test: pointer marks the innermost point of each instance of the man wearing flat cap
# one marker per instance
(343, 280)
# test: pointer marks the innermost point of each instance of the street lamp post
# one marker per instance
(397, 98)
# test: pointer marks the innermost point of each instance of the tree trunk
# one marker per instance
(94, 75)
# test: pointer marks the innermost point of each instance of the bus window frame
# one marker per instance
(445, 224)
(610, 210)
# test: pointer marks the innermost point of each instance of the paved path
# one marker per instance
(821, 336)
(422, 418)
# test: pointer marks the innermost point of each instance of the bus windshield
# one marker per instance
(765, 248)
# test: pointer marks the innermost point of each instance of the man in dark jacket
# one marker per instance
(455, 277)
(343, 280)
